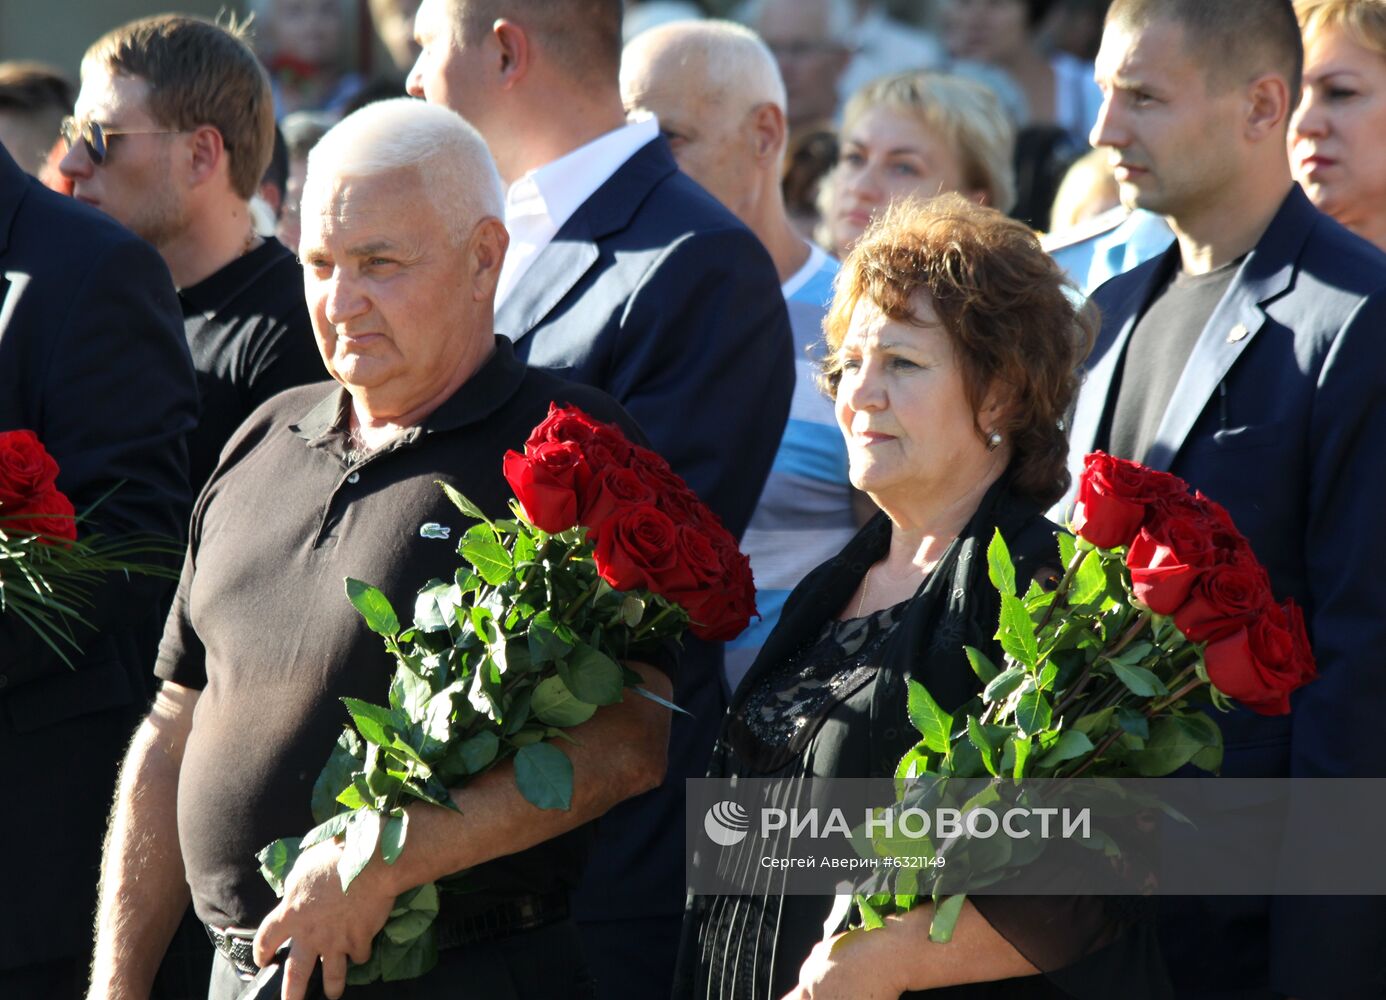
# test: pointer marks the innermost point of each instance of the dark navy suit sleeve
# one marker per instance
(119, 395)
(706, 333)
(1325, 947)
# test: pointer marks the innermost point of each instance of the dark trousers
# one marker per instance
(542, 964)
(64, 979)
(632, 959)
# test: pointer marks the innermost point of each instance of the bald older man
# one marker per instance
(720, 100)
(402, 248)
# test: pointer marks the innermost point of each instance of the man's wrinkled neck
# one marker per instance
(376, 419)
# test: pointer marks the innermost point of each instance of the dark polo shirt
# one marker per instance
(250, 337)
(262, 627)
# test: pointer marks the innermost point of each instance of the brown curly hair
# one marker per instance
(1012, 316)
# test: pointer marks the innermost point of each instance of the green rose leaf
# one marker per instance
(945, 919)
(373, 722)
(933, 723)
(408, 926)
(1068, 547)
(1003, 684)
(462, 503)
(548, 640)
(870, 919)
(490, 557)
(1133, 722)
(1090, 582)
(362, 834)
(409, 691)
(1033, 712)
(374, 607)
(981, 665)
(1021, 750)
(999, 566)
(544, 776)
(555, 705)
(1139, 681)
(409, 961)
(1072, 744)
(592, 676)
(435, 607)
(477, 752)
(277, 860)
(987, 740)
(336, 774)
(392, 836)
(1174, 741)
(1017, 632)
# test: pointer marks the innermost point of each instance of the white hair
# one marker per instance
(450, 156)
(840, 15)
(736, 63)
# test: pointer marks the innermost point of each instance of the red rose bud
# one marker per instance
(1114, 496)
(615, 487)
(27, 471)
(1160, 579)
(1224, 599)
(546, 484)
(637, 548)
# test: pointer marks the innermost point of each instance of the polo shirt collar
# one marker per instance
(476, 399)
(212, 293)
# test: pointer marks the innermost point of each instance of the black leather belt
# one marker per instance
(510, 916)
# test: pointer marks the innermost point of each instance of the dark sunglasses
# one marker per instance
(94, 136)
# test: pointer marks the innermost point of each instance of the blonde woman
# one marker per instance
(1338, 133)
(916, 134)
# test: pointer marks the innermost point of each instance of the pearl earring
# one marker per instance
(994, 440)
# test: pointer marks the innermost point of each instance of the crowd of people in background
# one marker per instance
(719, 232)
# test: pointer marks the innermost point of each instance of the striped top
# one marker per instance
(804, 516)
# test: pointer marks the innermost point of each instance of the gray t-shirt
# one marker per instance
(1156, 354)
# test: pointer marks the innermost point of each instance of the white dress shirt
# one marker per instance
(539, 204)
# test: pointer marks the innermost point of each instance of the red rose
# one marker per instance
(1114, 496)
(1225, 598)
(550, 482)
(1179, 540)
(702, 560)
(27, 471)
(50, 513)
(615, 487)
(1261, 663)
(655, 471)
(562, 424)
(603, 444)
(721, 613)
(637, 548)
(29, 499)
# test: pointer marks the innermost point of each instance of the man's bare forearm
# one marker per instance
(143, 888)
(623, 752)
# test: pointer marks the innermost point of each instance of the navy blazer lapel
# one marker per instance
(1265, 275)
(570, 255)
(1105, 360)
(14, 184)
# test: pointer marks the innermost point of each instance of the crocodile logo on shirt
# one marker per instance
(435, 530)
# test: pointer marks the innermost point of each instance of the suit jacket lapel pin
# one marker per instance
(1237, 333)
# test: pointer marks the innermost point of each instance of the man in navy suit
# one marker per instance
(1248, 359)
(624, 274)
(92, 360)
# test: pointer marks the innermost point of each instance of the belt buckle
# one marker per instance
(225, 941)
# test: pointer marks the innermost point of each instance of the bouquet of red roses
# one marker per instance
(1187, 560)
(1163, 610)
(608, 558)
(46, 574)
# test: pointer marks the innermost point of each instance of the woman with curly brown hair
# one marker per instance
(953, 347)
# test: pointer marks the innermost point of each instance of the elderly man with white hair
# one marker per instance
(720, 100)
(401, 247)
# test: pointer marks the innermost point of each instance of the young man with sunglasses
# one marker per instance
(172, 131)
